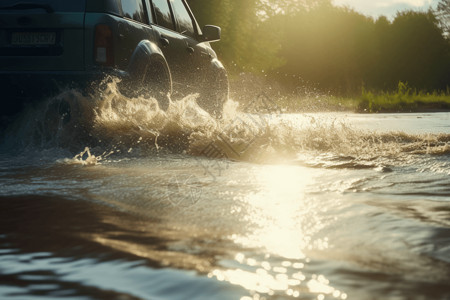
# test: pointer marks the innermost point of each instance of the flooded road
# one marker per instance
(118, 200)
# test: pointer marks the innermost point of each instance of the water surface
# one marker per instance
(122, 201)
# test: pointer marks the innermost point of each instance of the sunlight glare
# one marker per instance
(277, 211)
(283, 219)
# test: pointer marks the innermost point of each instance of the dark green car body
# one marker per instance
(149, 44)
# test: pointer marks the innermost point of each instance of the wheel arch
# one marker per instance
(215, 89)
(218, 68)
(145, 53)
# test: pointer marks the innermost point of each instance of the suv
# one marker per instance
(151, 45)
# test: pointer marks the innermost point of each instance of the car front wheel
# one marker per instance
(215, 93)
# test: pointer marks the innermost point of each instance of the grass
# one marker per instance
(404, 100)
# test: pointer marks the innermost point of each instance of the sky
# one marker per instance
(387, 8)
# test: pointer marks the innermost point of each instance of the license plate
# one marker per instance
(33, 38)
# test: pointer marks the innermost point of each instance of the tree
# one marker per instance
(327, 45)
(246, 43)
(288, 7)
(419, 53)
(443, 12)
(335, 48)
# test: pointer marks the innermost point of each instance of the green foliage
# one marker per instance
(418, 51)
(341, 49)
(405, 99)
(327, 45)
(247, 44)
(443, 13)
(336, 49)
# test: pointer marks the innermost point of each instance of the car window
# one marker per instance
(134, 9)
(163, 14)
(56, 5)
(184, 20)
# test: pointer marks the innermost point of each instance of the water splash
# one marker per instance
(86, 158)
(110, 123)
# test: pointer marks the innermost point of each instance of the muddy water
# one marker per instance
(114, 199)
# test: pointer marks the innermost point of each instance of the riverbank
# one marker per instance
(369, 102)
(382, 103)
(404, 100)
(253, 93)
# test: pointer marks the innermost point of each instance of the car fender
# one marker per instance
(215, 90)
(216, 65)
(219, 73)
(145, 54)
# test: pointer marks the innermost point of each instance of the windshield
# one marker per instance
(56, 5)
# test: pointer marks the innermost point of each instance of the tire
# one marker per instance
(215, 93)
(157, 82)
(149, 77)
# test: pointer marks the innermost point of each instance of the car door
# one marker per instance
(197, 57)
(171, 43)
(132, 29)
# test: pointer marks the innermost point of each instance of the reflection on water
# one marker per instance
(54, 248)
(284, 220)
(125, 203)
(281, 215)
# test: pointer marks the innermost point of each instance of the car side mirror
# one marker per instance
(211, 33)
